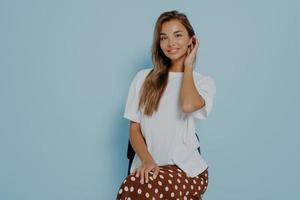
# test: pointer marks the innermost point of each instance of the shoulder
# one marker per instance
(205, 82)
(142, 73)
(199, 77)
(140, 76)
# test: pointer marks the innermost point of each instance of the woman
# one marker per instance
(163, 105)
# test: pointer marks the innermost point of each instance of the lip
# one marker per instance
(170, 50)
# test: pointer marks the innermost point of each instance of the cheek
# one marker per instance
(183, 43)
(163, 46)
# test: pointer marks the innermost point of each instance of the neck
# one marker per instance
(177, 66)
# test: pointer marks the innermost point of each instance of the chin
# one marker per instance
(175, 56)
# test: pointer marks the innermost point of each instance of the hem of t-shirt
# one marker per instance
(201, 113)
(193, 166)
(132, 118)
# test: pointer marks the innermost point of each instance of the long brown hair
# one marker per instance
(156, 81)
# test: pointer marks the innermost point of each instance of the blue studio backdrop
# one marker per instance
(65, 70)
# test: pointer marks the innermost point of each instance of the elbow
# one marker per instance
(186, 108)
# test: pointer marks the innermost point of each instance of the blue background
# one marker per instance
(65, 72)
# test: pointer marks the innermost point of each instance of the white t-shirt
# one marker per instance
(170, 134)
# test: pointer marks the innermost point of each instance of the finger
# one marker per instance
(189, 50)
(156, 172)
(197, 42)
(146, 175)
(137, 173)
(194, 49)
(193, 46)
(142, 176)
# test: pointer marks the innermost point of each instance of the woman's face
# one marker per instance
(174, 39)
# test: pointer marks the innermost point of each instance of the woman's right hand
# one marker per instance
(144, 169)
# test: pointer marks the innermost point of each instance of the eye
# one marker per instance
(178, 35)
(162, 38)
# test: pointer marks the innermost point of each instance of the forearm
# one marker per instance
(189, 96)
(139, 146)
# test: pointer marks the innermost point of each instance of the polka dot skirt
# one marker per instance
(171, 183)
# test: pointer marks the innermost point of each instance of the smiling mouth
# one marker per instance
(173, 51)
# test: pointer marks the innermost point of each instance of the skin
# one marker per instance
(173, 35)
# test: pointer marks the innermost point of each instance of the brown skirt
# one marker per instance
(171, 183)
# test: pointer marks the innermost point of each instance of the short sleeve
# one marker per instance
(207, 89)
(131, 111)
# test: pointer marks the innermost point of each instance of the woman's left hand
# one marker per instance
(191, 53)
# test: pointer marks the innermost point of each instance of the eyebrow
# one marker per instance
(166, 34)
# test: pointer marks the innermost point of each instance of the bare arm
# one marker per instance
(190, 98)
(138, 143)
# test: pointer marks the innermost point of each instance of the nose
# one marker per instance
(171, 42)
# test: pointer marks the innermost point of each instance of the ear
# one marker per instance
(191, 41)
